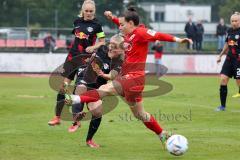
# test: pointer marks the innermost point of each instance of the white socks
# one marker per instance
(75, 99)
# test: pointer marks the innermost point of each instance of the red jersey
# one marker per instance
(158, 55)
(136, 48)
(158, 51)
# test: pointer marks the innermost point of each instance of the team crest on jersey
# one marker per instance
(151, 32)
(105, 66)
(81, 35)
(89, 29)
(127, 46)
(237, 37)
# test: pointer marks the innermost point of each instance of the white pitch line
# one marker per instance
(201, 106)
(29, 96)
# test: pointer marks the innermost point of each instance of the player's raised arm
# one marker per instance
(110, 16)
(151, 35)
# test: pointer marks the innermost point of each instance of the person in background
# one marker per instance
(158, 52)
(199, 35)
(49, 43)
(221, 34)
(190, 30)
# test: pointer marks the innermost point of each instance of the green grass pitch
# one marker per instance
(26, 105)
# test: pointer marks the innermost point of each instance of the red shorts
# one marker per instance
(132, 87)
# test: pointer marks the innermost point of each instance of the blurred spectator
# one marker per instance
(158, 52)
(221, 34)
(190, 30)
(49, 43)
(199, 35)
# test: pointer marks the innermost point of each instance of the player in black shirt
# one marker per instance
(103, 66)
(231, 66)
(86, 30)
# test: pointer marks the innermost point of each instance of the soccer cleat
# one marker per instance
(236, 95)
(220, 108)
(164, 137)
(55, 121)
(74, 127)
(68, 99)
(71, 99)
(90, 143)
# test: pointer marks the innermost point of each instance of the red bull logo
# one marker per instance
(232, 43)
(81, 35)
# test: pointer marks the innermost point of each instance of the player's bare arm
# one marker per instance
(183, 40)
(91, 49)
(223, 52)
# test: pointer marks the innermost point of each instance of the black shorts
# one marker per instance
(70, 67)
(80, 80)
(231, 68)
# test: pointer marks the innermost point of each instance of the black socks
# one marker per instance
(60, 104)
(223, 95)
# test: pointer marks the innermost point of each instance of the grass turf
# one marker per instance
(26, 105)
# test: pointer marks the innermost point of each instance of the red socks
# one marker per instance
(153, 125)
(90, 96)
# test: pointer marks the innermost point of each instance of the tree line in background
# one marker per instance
(61, 13)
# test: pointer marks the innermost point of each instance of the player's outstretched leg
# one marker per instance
(150, 122)
(93, 127)
(58, 110)
(76, 108)
(56, 120)
(96, 109)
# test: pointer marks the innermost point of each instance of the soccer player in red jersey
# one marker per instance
(130, 82)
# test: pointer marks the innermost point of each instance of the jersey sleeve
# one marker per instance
(115, 20)
(75, 26)
(99, 32)
(151, 36)
(228, 32)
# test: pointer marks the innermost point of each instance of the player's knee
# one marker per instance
(136, 115)
(139, 116)
(96, 108)
(61, 91)
(97, 113)
(80, 89)
(224, 80)
(104, 89)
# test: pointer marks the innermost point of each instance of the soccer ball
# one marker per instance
(177, 145)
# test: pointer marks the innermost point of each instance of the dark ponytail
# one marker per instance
(131, 15)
